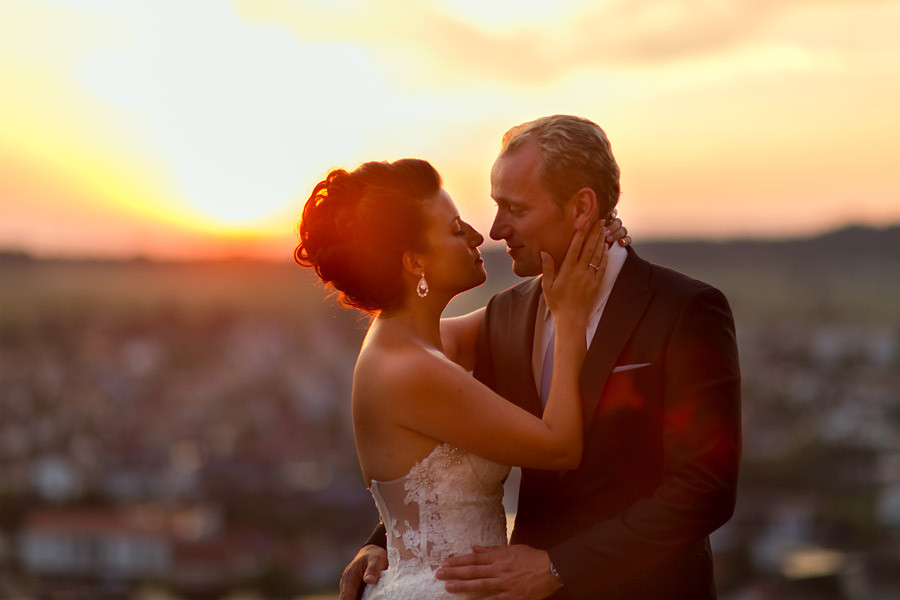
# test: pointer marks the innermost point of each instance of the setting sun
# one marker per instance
(714, 111)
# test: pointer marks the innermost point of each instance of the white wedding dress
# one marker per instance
(449, 502)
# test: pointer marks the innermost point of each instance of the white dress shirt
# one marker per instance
(543, 326)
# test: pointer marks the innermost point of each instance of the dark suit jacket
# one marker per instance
(662, 446)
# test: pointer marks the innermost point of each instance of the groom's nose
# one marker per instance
(499, 229)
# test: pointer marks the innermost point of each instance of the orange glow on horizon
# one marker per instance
(58, 211)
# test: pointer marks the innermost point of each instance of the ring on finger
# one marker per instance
(593, 266)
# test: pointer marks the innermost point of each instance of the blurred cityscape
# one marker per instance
(182, 431)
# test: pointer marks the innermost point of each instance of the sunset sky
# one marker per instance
(182, 128)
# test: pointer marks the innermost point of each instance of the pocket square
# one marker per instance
(621, 368)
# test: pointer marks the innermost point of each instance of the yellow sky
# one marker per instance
(176, 128)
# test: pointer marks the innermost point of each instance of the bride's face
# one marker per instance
(452, 260)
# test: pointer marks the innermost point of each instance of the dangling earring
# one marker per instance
(422, 288)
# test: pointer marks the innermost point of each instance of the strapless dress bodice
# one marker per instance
(447, 503)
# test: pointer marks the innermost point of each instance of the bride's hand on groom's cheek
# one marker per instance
(571, 289)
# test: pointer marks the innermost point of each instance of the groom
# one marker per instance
(660, 387)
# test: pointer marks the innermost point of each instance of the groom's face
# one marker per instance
(528, 218)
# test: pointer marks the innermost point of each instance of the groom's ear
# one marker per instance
(412, 263)
(583, 205)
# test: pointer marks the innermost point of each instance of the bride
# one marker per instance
(433, 442)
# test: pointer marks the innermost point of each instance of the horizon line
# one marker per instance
(18, 254)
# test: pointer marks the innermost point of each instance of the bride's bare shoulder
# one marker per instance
(393, 369)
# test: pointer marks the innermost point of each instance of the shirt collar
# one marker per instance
(617, 256)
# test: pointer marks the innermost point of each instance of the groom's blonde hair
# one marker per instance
(575, 153)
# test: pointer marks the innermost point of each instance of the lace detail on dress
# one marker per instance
(449, 502)
(428, 544)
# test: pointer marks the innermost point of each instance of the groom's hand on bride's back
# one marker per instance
(517, 572)
(365, 568)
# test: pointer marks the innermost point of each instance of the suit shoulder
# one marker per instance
(677, 283)
(676, 289)
(693, 307)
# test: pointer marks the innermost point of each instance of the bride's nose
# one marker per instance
(476, 239)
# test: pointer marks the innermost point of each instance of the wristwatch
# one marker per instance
(555, 574)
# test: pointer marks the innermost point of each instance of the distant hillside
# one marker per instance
(865, 241)
(852, 273)
(851, 243)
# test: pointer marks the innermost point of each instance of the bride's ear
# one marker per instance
(412, 264)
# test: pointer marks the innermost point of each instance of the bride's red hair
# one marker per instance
(356, 226)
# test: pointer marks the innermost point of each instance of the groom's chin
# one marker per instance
(523, 269)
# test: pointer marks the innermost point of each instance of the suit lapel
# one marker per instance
(521, 344)
(626, 304)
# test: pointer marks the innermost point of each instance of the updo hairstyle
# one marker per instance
(356, 226)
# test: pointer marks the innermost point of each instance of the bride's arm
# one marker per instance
(441, 400)
(459, 335)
